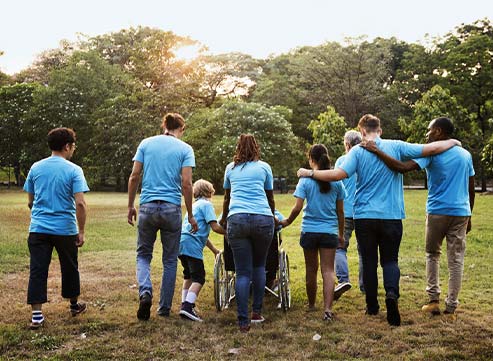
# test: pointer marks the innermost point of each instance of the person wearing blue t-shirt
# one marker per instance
(192, 247)
(165, 164)
(322, 227)
(55, 188)
(351, 138)
(449, 206)
(249, 210)
(378, 208)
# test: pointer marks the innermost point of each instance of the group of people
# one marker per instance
(364, 193)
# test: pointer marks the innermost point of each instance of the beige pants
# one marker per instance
(453, 229)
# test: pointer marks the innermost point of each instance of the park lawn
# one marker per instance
(110, 329)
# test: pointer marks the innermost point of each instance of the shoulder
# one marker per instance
(263, 164)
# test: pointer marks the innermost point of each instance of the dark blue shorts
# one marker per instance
(309, 240)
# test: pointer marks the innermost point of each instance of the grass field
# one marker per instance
(110, 329)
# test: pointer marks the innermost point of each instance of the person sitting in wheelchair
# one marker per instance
(192, 246)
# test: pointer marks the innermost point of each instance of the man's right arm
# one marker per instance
(30, 200)
(472, 195)
(394, 164)
(133, 184)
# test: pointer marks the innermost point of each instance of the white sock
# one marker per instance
(191, 297)
(184, 293)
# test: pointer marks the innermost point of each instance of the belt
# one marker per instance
(158, 201)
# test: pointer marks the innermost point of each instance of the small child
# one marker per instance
(192, 246)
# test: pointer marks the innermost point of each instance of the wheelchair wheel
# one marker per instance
(222, 284)
(284, 286)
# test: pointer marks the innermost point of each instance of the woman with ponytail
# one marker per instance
(322, 227)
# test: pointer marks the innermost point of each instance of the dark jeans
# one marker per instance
(250, 236)
(384, 236)
(40, 249)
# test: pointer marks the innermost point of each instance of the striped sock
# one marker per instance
(37, 317)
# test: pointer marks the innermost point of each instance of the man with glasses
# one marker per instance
(164, 163)
(55, 188)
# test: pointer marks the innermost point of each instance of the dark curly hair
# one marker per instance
(247, 150)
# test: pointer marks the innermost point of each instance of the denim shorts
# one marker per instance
(311, 240)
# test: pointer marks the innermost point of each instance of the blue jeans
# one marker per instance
(166, 218)
(379, 236)
(250, 236)
(341, 266)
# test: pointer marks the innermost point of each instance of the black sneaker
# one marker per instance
(188, 311)
(144, 311)
(78, 308)
(393, 315)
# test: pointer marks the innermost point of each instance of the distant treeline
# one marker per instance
(113, 89)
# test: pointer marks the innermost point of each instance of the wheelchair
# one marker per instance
(277, 269)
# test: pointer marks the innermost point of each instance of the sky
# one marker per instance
(256, 27)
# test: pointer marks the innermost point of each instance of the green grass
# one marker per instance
(110, 330)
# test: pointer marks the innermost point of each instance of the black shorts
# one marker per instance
(193, 268)
(309, 240)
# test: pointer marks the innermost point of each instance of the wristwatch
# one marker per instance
(311, 173)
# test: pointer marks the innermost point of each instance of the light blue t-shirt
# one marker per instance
(192, 244)
(163, 157)
(53, 181)
(350, 185)
(379, 192)
(448, 182)
(319, 212)
(248, 183)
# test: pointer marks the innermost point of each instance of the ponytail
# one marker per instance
(319, 155)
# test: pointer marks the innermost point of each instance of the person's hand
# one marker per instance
(276, 222)
(303, 172)
(193, 223)
(457, 142)
(369, 145)
(132, 215)
(284, 223)
(469, 226)
(79, 241)
(216, 251)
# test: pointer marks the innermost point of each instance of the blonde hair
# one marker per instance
(203, 188)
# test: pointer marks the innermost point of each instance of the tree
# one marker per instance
(329, 129)
(16, 102)
(213, 134)
(466, 67)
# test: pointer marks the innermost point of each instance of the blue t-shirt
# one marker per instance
(379, 192)
(248, 183)
(448, 182)
(319, 212)
(163, 157)
(53, 181)
(350, 185)
(192, 244)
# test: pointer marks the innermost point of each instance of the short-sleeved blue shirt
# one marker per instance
(350, 185)
(448, 182)
(248, 183)
(163, 157)
(379, 192)
(319, 212)
(192, 244)
(53, 181)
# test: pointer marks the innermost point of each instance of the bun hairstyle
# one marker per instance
(319, 154)
(172, 121)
